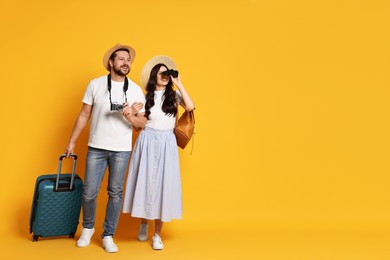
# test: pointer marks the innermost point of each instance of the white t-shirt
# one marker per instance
(109, 130)
(157, 118)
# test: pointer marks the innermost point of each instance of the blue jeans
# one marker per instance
(96, 164)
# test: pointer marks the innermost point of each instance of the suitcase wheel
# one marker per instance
(35, 238)
(71, 235)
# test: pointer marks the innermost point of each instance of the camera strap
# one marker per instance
(125, 86)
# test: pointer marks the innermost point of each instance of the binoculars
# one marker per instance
(173, 73)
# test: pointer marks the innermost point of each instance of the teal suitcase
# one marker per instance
(56, 204)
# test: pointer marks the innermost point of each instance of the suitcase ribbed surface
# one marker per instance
(56, 213)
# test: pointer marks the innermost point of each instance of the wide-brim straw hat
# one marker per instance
(149, 65)
(110, 51)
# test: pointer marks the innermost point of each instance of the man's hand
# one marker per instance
(69, 149)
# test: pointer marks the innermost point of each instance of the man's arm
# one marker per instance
(80, 124)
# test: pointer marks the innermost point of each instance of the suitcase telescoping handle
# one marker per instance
(62, 156)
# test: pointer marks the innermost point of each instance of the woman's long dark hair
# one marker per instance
(169, 97)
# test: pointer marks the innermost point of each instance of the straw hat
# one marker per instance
(110, 51)
(145, 73)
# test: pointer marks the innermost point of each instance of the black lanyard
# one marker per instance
(125, 86)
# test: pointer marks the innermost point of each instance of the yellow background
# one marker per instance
(291, 149)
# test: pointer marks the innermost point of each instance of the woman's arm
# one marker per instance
(136, 119)
(186, 101)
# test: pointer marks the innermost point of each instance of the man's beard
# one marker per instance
(120, 73)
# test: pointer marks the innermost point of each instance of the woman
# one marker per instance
(153, 188)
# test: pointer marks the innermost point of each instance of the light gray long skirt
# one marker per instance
(153, 187)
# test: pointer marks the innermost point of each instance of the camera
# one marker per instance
(116, 106)
(173, 73)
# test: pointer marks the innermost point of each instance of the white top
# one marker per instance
(157, 118)
(109, 130)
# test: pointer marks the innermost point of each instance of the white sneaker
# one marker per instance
(109, 245)
(143, 232)
(157, 244)
(85, 238)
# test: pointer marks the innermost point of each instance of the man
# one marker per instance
(116, 105)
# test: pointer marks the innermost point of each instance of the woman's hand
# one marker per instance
(129, 111)
(177, 81)
(136, 107)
